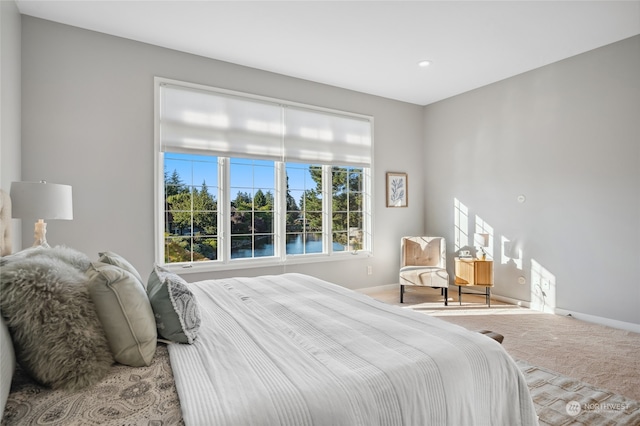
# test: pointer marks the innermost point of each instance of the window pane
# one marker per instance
(205, 249)
(190, 195)
(263, 222)
(313, 221)
(347, 204)
(263, 246)
(241, 222)
(304, 208)
(295, 243)
(355, 202)
(339, 241)
(177, 250)
(340, 221)
(295, 199)
(252, 208)
(355, 180)
(313, 243)
(241, 246)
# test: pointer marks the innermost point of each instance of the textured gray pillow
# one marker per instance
(56, 332)
(176, 310)
(125, 313)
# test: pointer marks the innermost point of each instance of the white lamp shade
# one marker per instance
(41, 200)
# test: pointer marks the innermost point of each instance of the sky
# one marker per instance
(245, 173)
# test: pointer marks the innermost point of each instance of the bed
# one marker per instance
(293, 349)
(285, 349)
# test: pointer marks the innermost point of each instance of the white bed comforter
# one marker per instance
(294, 350)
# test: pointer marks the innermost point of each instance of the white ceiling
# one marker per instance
(367, 46)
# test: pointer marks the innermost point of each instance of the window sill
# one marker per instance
(212, 266)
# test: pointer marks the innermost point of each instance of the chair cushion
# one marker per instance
(423, 251)
(424, 276)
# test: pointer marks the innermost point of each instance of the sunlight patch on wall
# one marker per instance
(461, 225)
(483, 227)
(510, 253)
(543, 288)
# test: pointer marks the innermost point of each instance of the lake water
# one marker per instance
(294, 246)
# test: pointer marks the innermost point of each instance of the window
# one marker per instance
(248, 180)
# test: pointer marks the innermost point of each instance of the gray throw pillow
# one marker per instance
(57, 336)
(115, 259)
(125, 313)
(174, 306)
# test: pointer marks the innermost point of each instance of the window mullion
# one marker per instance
(327, 207)
(367, 222)
(192, 188)
(280, 214)
(224, 210)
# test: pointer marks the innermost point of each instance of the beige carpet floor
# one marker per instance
(604, 357)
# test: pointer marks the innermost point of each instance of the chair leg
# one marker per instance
(401, 293)
(445, 290)
(460, 295)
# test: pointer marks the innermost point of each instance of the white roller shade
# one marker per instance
(314, 136)
(194, 120)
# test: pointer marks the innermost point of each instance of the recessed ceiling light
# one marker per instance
(424, 63)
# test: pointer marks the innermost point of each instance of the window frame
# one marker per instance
(224, 197)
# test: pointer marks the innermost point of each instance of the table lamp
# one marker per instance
(482, 241)
(40, 201)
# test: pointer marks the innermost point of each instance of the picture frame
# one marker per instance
(397, 189)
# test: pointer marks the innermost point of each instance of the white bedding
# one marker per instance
(294, 350)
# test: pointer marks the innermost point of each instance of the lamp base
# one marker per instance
(40, 234)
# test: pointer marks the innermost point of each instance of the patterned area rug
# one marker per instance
(127, 396)
(563, 401)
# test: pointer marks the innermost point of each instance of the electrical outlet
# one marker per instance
(369, 269)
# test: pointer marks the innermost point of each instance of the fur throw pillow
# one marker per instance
(56, 332)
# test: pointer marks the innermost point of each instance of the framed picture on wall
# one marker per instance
(397, 190)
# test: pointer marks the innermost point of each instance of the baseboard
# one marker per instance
(577, 315)
(511, 301)
(369, 290)
(622, 325)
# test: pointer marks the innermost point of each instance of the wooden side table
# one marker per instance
(474, 272)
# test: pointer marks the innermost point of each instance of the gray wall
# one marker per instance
(567, 136)
(10, 103)
(87, 121)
